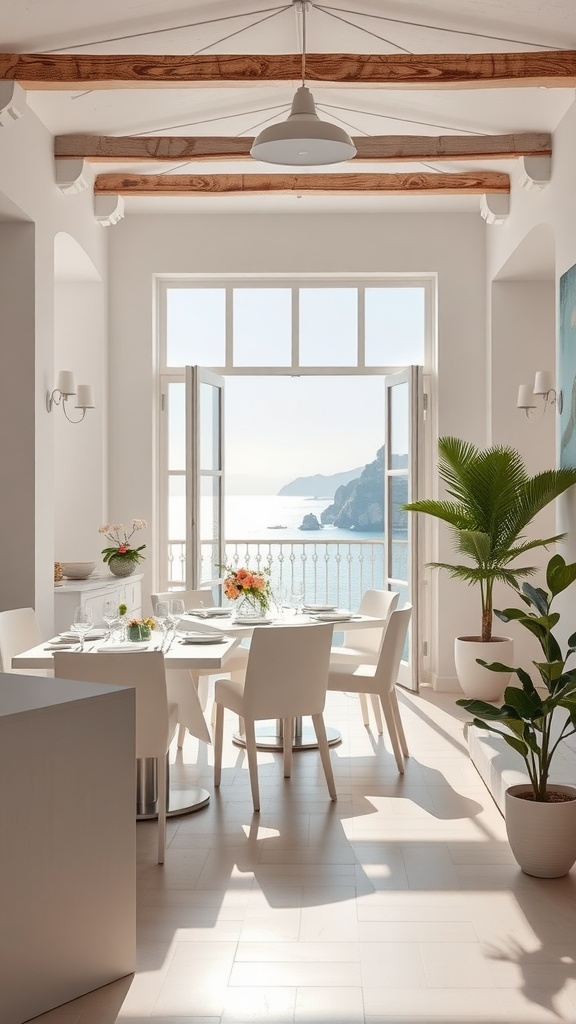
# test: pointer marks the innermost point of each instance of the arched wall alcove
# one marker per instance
(79, 448)
(522, 341)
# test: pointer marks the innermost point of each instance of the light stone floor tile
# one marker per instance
(328, 1004)
(398, 904)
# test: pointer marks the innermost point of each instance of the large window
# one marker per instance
(308, 357)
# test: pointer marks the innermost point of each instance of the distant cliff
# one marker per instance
(318, 486)
(359, 504)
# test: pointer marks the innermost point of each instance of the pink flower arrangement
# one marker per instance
(253, 585)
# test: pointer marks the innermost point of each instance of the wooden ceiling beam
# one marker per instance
(130, 149)
(553, 69)
(301, 184)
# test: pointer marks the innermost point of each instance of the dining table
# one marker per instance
(269, 736)
(179, 653)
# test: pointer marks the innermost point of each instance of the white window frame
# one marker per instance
(168, 374)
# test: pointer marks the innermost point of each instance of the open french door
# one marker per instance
(205, 549)
(402, 414)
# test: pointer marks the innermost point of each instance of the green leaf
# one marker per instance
(522, 702)
(537, 597)
(494, 666)
(559, 575)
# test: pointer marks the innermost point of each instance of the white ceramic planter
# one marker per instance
(542, 836)
(475, 680)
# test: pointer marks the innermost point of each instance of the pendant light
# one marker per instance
(303, 139)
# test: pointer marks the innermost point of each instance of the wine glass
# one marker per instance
(83, 622)
(297, 596)
(110, 615)
(176, 610)
(162, 616)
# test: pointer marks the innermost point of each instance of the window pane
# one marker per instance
(395, 326)
(209, 427)
(195, 327)
(399, 396)
(262, 326)
(328, 326)
(398, 531)
(176, 507)
(176, 426)
(209, 526)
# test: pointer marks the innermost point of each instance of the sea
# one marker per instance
(278, 517)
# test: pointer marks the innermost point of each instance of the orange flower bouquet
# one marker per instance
(252, 587)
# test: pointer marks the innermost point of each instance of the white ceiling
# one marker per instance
(515, 25)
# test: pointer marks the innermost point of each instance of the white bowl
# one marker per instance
(77, 570)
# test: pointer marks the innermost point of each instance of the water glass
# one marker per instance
(83, 622)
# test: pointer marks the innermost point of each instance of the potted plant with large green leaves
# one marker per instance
(540, 816)
(492, 499)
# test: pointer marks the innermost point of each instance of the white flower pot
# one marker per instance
(475, 680)
(542, 836)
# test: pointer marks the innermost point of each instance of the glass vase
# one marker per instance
(249, 607)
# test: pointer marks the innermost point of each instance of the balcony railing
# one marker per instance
(333, 571)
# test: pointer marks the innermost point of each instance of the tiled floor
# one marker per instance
(400, 904)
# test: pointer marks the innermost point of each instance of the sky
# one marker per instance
(279, 428)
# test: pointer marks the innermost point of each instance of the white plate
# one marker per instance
(320, 607)
(334, 616)
(253, 621)
(207, 638)
(59, 645)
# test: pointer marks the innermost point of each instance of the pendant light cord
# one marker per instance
(303, 8)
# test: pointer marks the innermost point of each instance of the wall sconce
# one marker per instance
(66, 388)
(542, 387)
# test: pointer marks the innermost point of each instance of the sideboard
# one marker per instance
(92, 593)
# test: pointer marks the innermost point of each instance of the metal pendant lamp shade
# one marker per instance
(303, 139)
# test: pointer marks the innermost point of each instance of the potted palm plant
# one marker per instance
(540, 816)
(492, 500)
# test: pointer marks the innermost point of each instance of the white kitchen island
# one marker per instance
(67, 844)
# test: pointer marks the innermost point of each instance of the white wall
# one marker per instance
(35, 204)
(80, 469)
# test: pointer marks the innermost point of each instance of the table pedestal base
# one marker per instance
(184, 800)
(270, 737)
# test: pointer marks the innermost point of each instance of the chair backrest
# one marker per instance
(386, 673)
(191, 598)
(287, 671)
(144, 670)
(19, 630)
(380, 604)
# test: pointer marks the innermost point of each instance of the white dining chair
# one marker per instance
(19, 631)
(362, 647)
(286, 678)
(380, 679)
(176, 679)
(156, 716)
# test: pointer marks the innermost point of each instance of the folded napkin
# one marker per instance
(142, 645)
(208, 613)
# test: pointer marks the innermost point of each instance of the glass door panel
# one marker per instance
(400, 475)
(205, 477)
